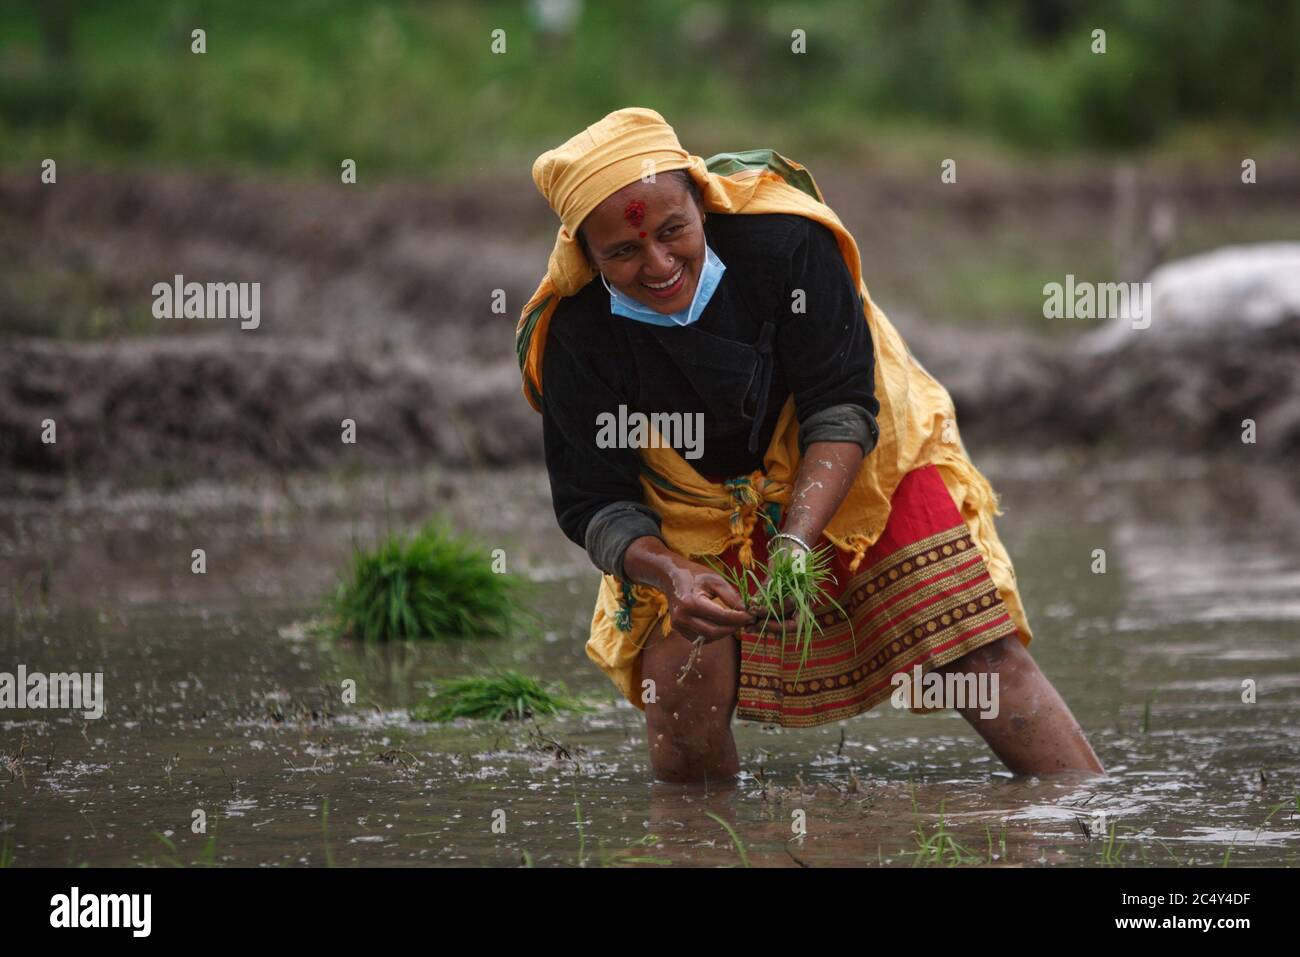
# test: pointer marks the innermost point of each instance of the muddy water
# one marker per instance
(218, 701)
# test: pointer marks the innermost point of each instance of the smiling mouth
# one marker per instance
(670, 286)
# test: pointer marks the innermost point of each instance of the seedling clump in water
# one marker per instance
(433, 585)
(496, 697)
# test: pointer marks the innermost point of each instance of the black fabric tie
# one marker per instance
(764, 380)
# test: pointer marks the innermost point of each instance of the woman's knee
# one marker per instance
(690, 704)
(994, 656)
(702, 695)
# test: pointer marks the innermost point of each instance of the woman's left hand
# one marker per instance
(778, 626)
(825, 475)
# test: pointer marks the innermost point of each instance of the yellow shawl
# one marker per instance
(918, 427)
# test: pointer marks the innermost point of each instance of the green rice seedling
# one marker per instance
(736, 842)
(432, 585)
(1146, 712)
(629, 857)
(1002, 844)
(207, 856)
(1228, 853)
(505, 696)
(1271, 812)
(582, 836)
(789, 585)
(325, 831)
(604, 856)
(940, 847)
(1177, 862)
(174, 861)
(1111, 856)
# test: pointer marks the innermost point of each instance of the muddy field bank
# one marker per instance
(376, 306)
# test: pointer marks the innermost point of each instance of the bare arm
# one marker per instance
(825, 475)
(824, 478)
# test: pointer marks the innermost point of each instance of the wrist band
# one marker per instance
(794, 538)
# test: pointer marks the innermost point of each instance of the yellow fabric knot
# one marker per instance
(746, 499)
(858, 544)
(746, 553)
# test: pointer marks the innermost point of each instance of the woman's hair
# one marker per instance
(688, 183)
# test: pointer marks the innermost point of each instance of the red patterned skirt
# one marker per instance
(921, 595)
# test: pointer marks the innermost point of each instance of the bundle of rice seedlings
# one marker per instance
(432, 585)
(504, 696)
(798, 582)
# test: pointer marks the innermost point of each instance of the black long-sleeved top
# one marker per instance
(596, 361)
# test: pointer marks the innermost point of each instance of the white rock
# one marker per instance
(1243, 288)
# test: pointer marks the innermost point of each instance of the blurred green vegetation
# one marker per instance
(39, 300)
(404, 86)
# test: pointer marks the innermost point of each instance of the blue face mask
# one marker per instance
(710, 276)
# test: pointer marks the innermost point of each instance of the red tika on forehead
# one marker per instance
(634, 212)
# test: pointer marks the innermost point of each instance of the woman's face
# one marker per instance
(648, 240)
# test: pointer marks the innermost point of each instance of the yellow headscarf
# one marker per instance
(918, 424)
(579, 175)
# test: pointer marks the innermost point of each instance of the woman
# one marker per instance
(730, 295)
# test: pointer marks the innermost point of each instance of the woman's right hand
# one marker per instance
(705, 605)
(701, 602)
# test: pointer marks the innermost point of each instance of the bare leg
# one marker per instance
(688, 725)
(1034, 731)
